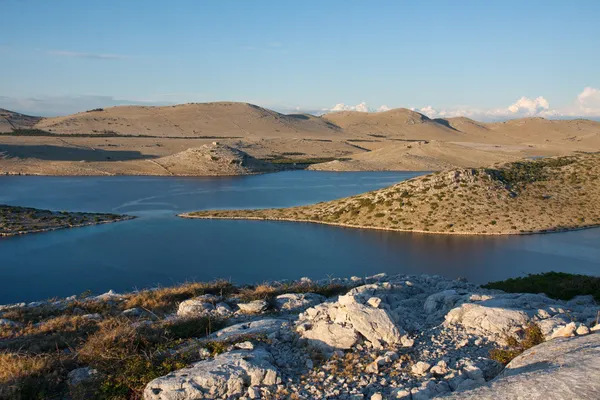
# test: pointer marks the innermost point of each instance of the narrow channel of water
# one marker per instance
(159, 248)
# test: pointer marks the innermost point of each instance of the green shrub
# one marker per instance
(558, 285)
(532, 336)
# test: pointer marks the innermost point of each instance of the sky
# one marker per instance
(487, 60)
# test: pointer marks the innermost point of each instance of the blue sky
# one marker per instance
(477, 58)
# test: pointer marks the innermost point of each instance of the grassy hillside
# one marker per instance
(542, 195)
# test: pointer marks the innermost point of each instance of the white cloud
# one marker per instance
(362, 107)
(383, 108)
(588, 101)
(529, 106)
(587, 104)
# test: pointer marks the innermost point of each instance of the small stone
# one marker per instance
(565, 331)
(247, 345)
(441, 368)
(254, 307)
(254, 392)
(595, 328)
(582, 330)
(406, 341)
(420, 368)
(377, 396)
(374, 302)
(372, 368)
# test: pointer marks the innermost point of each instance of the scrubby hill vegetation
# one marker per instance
(21, 220)
(544, 195)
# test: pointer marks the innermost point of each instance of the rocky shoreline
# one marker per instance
(16, 221)
(382, 337)
(524, 197)
(192, 215)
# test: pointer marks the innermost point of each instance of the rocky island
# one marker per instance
(379, 337)
(521, 197)
(22, 220)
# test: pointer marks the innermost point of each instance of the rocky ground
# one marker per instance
(383, 337)
(21, 220)
(545, 195)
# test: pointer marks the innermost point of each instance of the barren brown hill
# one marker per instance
(547, 195)
(10, 120)
(423, 156)
(189, 120)
(213, 159)
(105, 140)
(397, 123)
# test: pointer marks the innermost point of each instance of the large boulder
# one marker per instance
(560, 369)
(487, 320)
(195, 308)
(227, 375)
(360, 313)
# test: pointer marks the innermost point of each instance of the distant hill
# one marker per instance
(421, 156)
(398, 139)
(546, 195)
(396, 123)
(189, 120)
(213, 159)
(10, 120)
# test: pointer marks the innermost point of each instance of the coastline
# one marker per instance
(56, 228)
(535, 232)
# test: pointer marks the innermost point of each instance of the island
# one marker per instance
(522, 197)
(22, 220)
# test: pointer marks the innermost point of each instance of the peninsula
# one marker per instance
(522, 197)
(22, 220)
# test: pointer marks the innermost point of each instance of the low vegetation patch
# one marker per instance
(269, 291)
(557, 285)
(20, 220)
(535, 196)
(531, 336)
(43, 343)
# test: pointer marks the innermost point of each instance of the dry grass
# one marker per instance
(267, 291)
(66, 331)
(29, 377)
(165, 300)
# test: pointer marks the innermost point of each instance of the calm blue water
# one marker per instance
(159, 248)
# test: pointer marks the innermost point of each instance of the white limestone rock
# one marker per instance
(227, 375)
(298, 301)
(268, 327)
(487, 320)
(558, 369)
(196, 307)
(420, 368)
(329, 336)
(254, 307)
(567, 330)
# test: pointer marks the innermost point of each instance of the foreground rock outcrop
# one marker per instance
(227, 375)
(382, 337)
(555, 370)
(399, 337)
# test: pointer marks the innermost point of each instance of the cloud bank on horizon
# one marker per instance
(587, 104)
